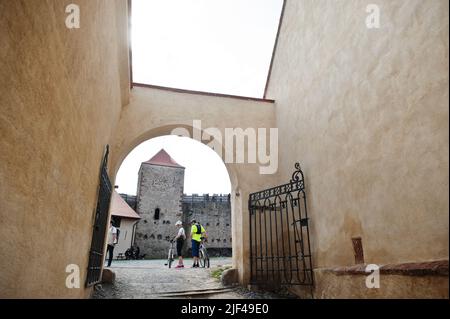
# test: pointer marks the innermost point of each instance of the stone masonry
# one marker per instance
(214, 213)
(161, 203)
(160, 189)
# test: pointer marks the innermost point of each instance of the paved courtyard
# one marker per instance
(151, 279)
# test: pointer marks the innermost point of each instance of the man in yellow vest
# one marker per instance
(197, 233)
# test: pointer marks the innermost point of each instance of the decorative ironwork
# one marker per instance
(280, 249)
(96, 255)
(298, 172)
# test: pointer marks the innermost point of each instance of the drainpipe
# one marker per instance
(133, 237)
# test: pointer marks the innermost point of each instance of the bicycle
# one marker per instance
(203, 255)
(170, 255)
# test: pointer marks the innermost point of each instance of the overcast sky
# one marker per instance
(205, 171)
(219, 46)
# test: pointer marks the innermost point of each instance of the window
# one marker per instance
(156, 216)
(217, 46)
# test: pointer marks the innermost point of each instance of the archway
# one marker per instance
(151, 233)
(164, 171)
(153, 113)
(235, 200)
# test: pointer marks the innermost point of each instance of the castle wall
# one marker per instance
(214, 213)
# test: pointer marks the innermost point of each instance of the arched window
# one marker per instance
(156, 214)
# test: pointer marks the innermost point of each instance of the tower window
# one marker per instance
(156, 216)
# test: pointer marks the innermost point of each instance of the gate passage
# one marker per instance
(280, 249)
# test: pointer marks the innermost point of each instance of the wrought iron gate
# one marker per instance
(96, 255)
(280, 249)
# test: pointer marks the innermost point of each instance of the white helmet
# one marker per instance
(178, 223)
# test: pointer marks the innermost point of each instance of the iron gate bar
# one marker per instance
(288, 221)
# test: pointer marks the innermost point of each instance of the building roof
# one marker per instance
(121, 209)
(162, 158)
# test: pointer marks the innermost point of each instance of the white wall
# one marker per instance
(126, 235)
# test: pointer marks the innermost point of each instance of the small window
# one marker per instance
(156, 216)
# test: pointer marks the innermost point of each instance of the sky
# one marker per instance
(205, 171)
(218, 46)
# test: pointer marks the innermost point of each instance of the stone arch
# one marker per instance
(122, 152)
(153, 113)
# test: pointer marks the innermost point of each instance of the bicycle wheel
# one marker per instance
(204, 259)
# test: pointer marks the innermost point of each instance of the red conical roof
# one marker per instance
(162, 158)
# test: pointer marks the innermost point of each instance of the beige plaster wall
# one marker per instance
(365, 111)
(60, 97)
(331, 286)
(154, 112)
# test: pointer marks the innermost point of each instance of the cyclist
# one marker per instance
(180, 237)
(197, 235)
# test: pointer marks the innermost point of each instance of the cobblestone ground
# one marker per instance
(149, 279)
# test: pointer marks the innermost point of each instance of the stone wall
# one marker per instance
(159, 188)
(214, 213)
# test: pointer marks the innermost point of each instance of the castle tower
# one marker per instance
(159, 195)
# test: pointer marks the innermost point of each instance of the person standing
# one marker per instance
(112, 241)
(180, 238)
(197, 233)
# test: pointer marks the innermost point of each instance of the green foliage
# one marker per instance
(216, 273)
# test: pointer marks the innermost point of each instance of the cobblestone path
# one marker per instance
(151, 279)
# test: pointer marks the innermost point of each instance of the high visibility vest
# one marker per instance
(195, 230)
